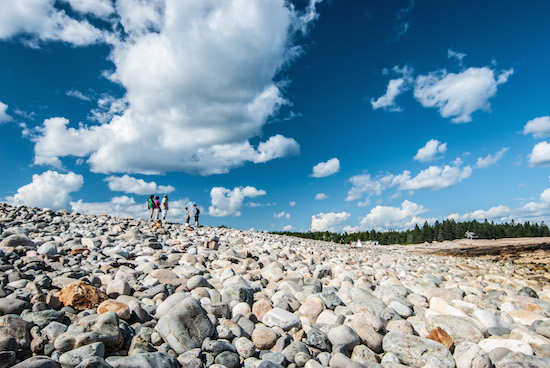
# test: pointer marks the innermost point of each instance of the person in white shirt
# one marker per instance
(164, 208)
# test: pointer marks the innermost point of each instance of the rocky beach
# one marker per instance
(96, 291)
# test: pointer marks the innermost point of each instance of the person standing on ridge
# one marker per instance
(197, 212)
(187, 216)
(157, 208)
(164, 207)
(151, 206)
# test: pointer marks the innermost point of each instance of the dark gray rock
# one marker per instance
(13, 305)
(145, 360)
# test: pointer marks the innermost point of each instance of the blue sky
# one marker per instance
(276, 115)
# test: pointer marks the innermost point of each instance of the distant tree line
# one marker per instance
(439, 231)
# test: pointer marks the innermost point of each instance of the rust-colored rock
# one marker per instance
(120, 308)
(81, 295)
(260, 308)
(438, 334)
(77, 251)
(531, 307)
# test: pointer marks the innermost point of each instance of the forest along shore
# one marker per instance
(96, 291)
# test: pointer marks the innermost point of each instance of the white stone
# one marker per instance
(517, 346)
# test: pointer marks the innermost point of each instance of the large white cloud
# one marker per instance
(539, 127)
(387, 101)
(49, 189)
(4, 117)
(320, 196)
(498, 213)
(540, 156)
(39, 20)
(328, 168)
(227, 202)
(200, 82)
(430, 151)
(331, 221)
(397, 218)
(459, 95)
(133, 185)
(99, 8)
(490, 160)
(434, 178)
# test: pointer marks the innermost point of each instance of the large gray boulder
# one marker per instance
(417, 351)
(185, 326)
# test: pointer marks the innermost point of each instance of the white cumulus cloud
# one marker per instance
(288, 228)
(430, 151)
(4, 117)
(387, 101)
(490, 160)
(539, 127)
(459, 95)
(227, 202)
(320, 196)
(397, 218)
(540, 156)
(282, 214)
(437, 177)
(42, 21)
(99, 8)
(498, 213)
(133, 185)
(49, 189)
(292, 203)
(200, 82)
(328, 168)
(328, 221)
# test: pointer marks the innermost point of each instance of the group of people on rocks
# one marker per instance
(159, 208)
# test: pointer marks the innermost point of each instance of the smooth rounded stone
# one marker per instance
(525, 317)
(241, 308)
(343, 335)
(339, 360)
(81, 296)
(470, 355)
(277, 358)
(401, 309)
(311, 308)
(498, 331)
(38, 362)
(268, 364)
(121, 309)
(260, 308)
(486, 318)
(197, 281)
(94, 362)
(16, 240)
(169, 303)
(443, 293)
(365, 326)
(53, 330)
(417, 351)
(542, 351)
(418, 300)
(459, 328)
(264, 338)
(118, 287)
(330, 299)
(185, 326)
(13, 305)
(360, 295)
(389, 358)
(73, 357)
(7, 359)
(281, 318)
(144, 360)
(18, 328)
(246, 325)
(317, 339)
(217, 346)
(497, 354)
(8, 343)
(515, 360)
(48, 249)
(529, 337)
(43, 318)
(294, 348)
(363, 354)
(245, 347)
(326, 317)
(544, 328)
(527, 291)
(228, 359)
(402, 326)
(105, 329)
(514, 345)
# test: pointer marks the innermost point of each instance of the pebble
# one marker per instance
(102, 292)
